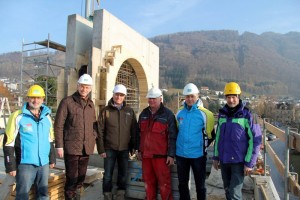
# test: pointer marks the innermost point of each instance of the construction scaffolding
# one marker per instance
(41, 63)
(127, 77)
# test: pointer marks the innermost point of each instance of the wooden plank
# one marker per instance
(53, 183)
(93, 174)
(276, 131)
(57, 196)
(294, 186)
(54, 177)
(279, 165)
(295, 140)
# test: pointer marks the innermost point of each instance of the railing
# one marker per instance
(292, 140)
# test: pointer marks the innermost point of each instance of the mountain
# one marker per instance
(268, 63)
(262, 64)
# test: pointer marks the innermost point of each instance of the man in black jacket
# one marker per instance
(117, 134)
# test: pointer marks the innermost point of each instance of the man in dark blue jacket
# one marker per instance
(237, 142)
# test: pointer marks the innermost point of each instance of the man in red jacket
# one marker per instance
(157, 137)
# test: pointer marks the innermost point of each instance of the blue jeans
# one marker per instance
(199, 170)
(109, 164)
(31, 174)
(233, 178)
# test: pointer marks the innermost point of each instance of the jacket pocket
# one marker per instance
(159, 127)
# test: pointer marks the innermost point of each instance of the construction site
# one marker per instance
(113, 53)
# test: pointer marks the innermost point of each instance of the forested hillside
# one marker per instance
(263, 64)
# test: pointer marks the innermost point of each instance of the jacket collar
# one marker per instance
(77, 98)
(112, 104)
(231, 111)
(44, 110)
(195, 105)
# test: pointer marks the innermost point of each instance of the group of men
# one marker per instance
(158, 138)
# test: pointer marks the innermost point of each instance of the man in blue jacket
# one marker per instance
(28, 145)
(196, 132)
(237, 142)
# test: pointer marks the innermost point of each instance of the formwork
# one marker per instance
(112, 53)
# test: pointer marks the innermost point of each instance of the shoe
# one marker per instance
(120, 195)
(107, 195)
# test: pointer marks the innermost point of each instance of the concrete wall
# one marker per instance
(78, 46)
(91, 43)
(142, 54)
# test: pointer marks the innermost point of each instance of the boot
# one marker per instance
(78, 193)
(120, 195)
(107, 196)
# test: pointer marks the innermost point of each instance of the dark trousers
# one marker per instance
(109, 164)
(76, 166)
(233, 178)
(198, 166)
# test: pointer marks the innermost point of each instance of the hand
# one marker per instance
(216, 164)
(132, 152)
(139, 156)
(170, 161)
(60, 152)
(13, 173)
(247, 170)
(103, 155)
(52, 165)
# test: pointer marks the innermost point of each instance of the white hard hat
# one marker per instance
(190, 88)
(154, 93)
(120, 89)
(85, 79)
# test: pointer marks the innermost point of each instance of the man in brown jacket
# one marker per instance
(75, 134)
(117, 137)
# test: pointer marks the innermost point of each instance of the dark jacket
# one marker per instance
(237, 139)
(117, 128)
(157, 134)
(75, 126)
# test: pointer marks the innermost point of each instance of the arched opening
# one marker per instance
(127, 76)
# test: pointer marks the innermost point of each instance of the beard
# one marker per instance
(35, 106)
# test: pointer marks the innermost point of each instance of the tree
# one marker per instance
(50, 86)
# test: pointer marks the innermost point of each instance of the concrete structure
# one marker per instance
(112, 53)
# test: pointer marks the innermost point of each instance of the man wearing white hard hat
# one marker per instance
(196, 132)
(75, 131)
(157, 135)
(117, 138)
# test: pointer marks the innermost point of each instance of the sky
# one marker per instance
(33, 20)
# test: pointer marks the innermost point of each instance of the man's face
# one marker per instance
(232, 100)
(84, 90)
(191, 99)
(35, 102)
(154, 103)
(118, 98)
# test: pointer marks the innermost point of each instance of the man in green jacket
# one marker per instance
(117, 135)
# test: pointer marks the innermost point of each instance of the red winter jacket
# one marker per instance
(157, 134)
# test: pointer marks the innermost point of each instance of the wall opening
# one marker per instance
(127, 76)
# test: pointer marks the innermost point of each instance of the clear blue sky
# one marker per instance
(32, 20)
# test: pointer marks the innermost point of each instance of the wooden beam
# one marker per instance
(279, 165)
(294, 186)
